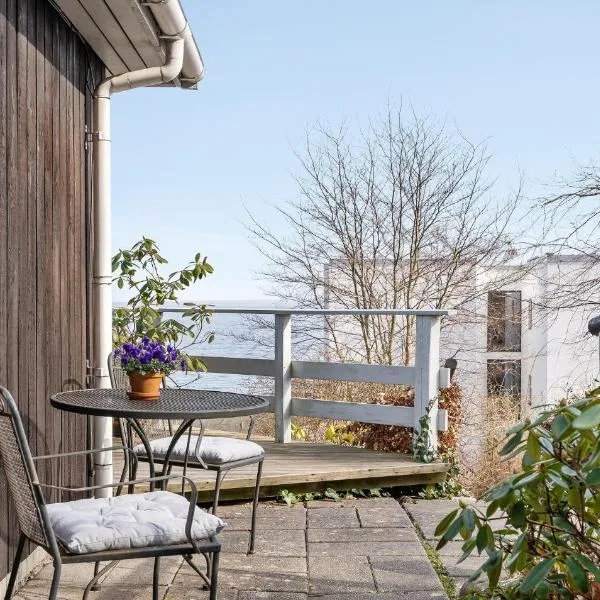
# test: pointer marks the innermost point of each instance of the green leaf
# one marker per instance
(516, 428)
(588, 564)
(332, 495)
(566, 470)
(536, 575)
(493, 568)
(588, 419)
(593, 477)
(467, 549)
(500, 492)
(512, 443)
(576, 575)
(543, 590)
(468, 519)
(491, 509)
(485, 538)
(527, 479)
(453, 530)
(517, 516)
(560, 425)
(533, 446)
(557, 480)
(547, 446)
(563, 524)
(574, 497)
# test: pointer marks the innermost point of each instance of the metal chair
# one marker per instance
(213, 453)
(45, 524)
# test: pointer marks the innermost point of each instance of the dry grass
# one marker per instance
(485, 468)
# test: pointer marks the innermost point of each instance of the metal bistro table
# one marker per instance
(181, 404)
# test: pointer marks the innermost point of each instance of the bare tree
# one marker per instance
(403, 217)
(573, 223)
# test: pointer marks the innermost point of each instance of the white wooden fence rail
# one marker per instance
(426, 375)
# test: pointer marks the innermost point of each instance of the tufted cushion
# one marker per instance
(213, 450)
(131, 521)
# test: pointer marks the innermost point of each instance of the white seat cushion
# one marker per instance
(131, 521)
(213, 450)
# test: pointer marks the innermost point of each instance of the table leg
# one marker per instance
(138, 429)
(89, 461)
(185, 425)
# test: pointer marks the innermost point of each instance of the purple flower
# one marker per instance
(149, 356)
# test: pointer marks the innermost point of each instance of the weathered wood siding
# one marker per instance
(46, 78)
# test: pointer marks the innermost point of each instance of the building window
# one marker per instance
(504, 378)
(504, 322)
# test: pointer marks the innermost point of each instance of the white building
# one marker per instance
(517, 330)
(529, 339)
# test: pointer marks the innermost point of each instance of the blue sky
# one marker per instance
(522, 75)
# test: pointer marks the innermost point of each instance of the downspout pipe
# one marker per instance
(102, 269)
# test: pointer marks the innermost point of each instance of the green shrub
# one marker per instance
(550, 544)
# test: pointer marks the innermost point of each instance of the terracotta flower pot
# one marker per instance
(145, 386)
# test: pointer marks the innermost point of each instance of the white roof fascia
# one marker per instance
(128, 35)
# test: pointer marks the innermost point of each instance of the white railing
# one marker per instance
(426, 375)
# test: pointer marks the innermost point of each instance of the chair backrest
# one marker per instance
(21, 475)
(118, 377)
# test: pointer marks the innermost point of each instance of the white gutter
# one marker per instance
(172, 21)
(176, 51)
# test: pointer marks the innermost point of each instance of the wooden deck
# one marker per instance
(305, 467)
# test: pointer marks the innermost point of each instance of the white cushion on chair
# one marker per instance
(130, 521)
(213, 450)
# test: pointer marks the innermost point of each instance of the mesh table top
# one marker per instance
(172, 404)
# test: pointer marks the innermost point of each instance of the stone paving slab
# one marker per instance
(383, 516)
(335, 518)
(250, 595)
(294, 519)
(332, 575)
(358, 535)
(264, 509)
(245, 595)
(285, 542)
(365, 549)
(382, 596)
(353, 550)
(407, 574)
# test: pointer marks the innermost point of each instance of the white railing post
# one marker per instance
(283, 378)
(427, 366)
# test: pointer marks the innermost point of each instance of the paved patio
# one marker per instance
(352, 550)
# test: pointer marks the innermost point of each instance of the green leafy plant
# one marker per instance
(298, 433)
(336, 434)
(139, 269)
(421, 449)
(290, 498)
(550, 541)
(451, 486)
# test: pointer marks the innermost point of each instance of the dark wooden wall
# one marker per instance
(46, 78)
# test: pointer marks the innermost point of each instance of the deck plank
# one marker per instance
(302, 466)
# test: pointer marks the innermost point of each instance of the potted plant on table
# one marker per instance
(144, 340)
(146, 364)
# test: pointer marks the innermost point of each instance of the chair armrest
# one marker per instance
(89, 488)
(84, 452)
